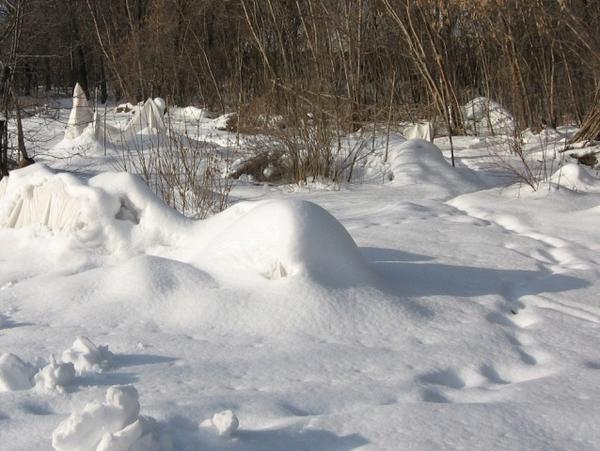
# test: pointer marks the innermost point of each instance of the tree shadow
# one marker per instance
(375, 255)
(291, 439)
(105, 379)
(126, 360)
(10, 324)
(186, 435)
(416, 276)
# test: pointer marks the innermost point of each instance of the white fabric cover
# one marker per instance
(3, 185)
(149, 116)
(47, 205)
(81, 114)
(420, 131)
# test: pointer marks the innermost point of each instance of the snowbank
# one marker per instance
(113, 425)
(546, 136)
(273, 239)
(14, 373)
(576, 177)
(115, 209)
(485, 117)
(418, 162)
(189, 113)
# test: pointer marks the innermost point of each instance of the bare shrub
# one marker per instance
(185, 173)
(532, 167)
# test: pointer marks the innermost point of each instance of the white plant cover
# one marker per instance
(81, 114)
(420, 131)
(149, 118)
(47, 205)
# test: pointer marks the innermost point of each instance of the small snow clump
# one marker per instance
(226, 423)
(113, 425)
(14, 373)
(55, 375)
(86, 356)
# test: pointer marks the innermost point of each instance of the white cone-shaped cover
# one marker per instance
(148, 117)
(81, 114)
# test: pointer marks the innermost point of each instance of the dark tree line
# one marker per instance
(348, 61)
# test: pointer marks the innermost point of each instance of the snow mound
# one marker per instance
(272, 239)
(113, 425)
(546, 136)
(485, 117)
(283, 238)
(14, 373)
(55, 375)
(226, 423)
(418, 162)
(189, 113)
(575, 177)
(86, 356)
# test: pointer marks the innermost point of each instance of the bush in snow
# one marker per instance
(113, 425)
(55, 375)
(86, 356)
(14, 373)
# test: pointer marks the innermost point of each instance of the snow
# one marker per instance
(283, 238)
(486, 117)
(55, 375)
(419, 162)
(576, 177)
(112, 425)
(427, 307)
(14, 373)
(226, 423)
(86, 356)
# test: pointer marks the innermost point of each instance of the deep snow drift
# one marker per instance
(429, 308)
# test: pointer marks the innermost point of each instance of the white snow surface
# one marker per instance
(429, 307)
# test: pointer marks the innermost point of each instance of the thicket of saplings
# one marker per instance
(320, 69)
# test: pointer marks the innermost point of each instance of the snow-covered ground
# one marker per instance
(427, 308)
